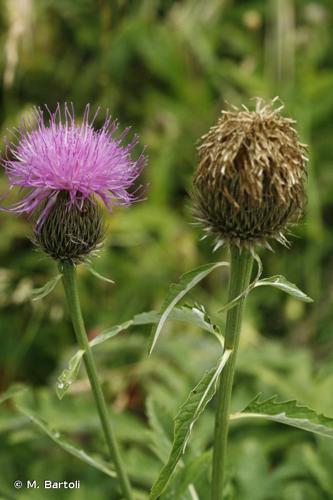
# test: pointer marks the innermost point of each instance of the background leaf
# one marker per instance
(65, 444)
(11, 392)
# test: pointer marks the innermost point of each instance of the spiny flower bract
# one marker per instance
(57, 154)
(249, 184)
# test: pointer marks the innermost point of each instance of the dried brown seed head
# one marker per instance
(249, 184)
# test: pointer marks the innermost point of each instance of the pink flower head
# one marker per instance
(60, 155)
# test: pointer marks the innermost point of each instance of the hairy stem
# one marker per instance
(240, 274)
(71, 291)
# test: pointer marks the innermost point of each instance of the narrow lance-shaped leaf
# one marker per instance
(188, 414)
(186, 314)
(194, 316)
(177, 292)
(68, 375)
(160, 446)
(40, 293)
(65, 444)
(289, 413)
(283, 284)
(277, 281)
(97, 274)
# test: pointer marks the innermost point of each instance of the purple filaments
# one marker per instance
(57, 154)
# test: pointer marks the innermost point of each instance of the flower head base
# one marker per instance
(249, 185)
(65, 167)
(71, 232)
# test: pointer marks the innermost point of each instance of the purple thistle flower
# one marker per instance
(62, 156)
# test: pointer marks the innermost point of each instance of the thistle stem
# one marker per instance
(71, 291)
(240, 274)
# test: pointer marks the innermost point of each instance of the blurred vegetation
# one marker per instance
(166, 68)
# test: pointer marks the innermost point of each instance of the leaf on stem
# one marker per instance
(193, 315)
(65, 444)
(283, 284)
(40, 293)
(68, 375)
(289, 413)
(177, 291)
(277, 281)
(185, 419)
(98, 275)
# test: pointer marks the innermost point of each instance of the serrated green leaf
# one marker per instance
(40, 293)
(177, 291)
(65, 444)
(289, 413)
(67, 376)
(11, 392)
(283, 284)
(185, 419)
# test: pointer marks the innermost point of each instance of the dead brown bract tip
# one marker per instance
(249, 184)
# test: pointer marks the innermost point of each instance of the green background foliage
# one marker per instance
(166, 68)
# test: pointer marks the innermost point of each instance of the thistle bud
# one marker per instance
(249, 184)
(70, 231)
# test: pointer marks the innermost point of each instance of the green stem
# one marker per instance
(241, 267)
(71, 291)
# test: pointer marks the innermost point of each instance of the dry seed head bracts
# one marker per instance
(249, 184)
